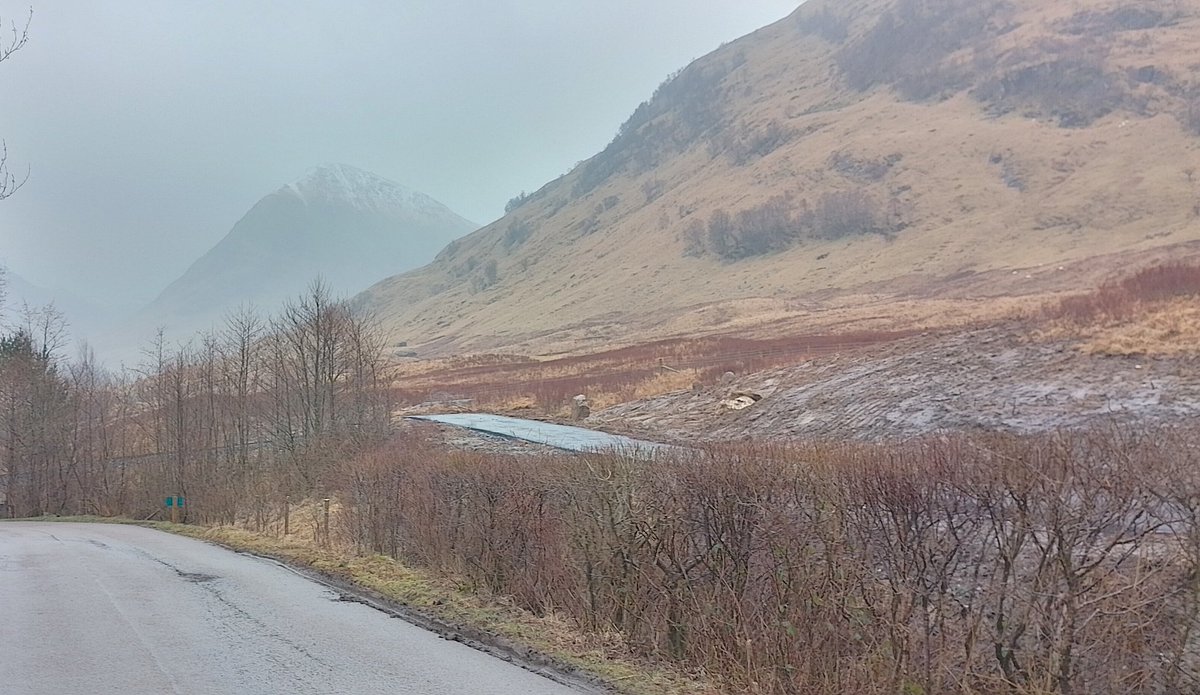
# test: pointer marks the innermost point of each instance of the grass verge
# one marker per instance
(595, 663)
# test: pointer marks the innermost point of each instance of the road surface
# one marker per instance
(550, 434)
(97, 608)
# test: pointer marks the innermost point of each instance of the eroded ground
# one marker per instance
(995, 378)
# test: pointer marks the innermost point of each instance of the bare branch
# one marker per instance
(20, 36)
(8, 181)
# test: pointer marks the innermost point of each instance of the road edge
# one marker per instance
(495, 645)
(491, 644)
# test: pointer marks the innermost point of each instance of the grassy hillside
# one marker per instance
(857, 159)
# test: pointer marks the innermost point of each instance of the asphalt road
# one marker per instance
(95, 608)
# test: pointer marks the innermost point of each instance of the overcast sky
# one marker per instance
(151, 126)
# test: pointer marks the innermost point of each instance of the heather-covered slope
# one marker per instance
(871, 152)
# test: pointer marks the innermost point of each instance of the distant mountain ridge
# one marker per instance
(344, 224)
(83, 317)
(857, 153)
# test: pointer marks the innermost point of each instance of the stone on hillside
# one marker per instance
(580, 408)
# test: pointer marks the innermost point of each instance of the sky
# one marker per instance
(149, 127)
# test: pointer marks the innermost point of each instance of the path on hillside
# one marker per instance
(94, 608)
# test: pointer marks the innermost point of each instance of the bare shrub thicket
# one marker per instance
(752, 143)
(1063, 80)
(517, 232)
(754, 231)
(235, 421)
(824, 23)
(910, 46)
(863, 168)
(1127, 17)
(929, 49)
(1129, 297)
(846, 213)
(516, 202)
(778, 224)
(982, 564)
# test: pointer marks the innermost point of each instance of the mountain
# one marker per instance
(349, 226)
(860, 158)
(83, 318)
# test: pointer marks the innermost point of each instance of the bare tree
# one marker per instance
(8, 46)
(242, 364)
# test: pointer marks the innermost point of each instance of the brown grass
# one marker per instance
(1171, 329)
(1152, 312)
(981, 195)
(619, 375)
(451, 602)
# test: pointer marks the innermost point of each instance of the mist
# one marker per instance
(149, 128)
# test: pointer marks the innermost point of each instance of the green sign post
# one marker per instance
(174, 503)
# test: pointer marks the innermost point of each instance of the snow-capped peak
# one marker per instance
(360, 189)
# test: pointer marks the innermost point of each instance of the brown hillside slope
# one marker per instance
(861, 153)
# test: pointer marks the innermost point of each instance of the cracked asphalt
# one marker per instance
(96, 608)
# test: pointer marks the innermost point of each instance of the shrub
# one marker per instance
(909, 45)
(516, 202)
(754, 231)
(653, 189)
(766, 228)
(516, 234)
(824, 23)
(721, 239)
(1122, 299)
(1072, 87)
(776, 226)
(754, 144)
(863, 168)
(985, 559)
(694, 238)
(487, 276)
(1126, 18)
(589, 225)
(846, 213)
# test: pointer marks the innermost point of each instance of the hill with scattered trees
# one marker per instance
(884, 155)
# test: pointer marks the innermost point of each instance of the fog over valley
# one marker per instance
(149, 129)
(836, 347)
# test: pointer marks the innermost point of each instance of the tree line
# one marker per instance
(257, 408)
